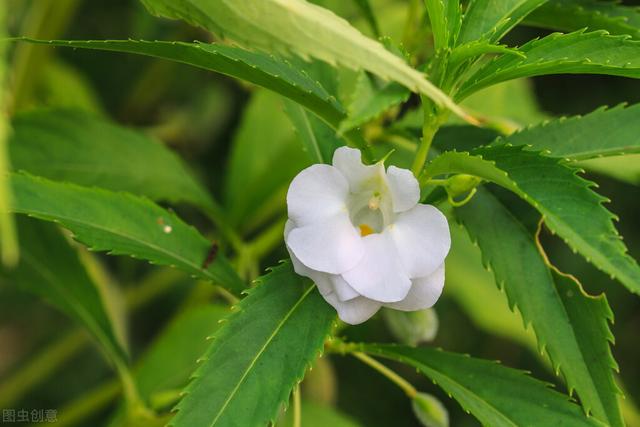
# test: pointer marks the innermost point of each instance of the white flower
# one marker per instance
(359, 233)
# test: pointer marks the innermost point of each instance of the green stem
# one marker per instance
(408, 389)
(432, 121)
(297, 407)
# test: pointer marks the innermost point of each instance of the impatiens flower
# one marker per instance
(359, 233)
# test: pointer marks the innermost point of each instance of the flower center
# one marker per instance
(367, 212)
(365, 230)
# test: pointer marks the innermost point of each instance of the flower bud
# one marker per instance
(430, 411)
(412, 328)
(461, 184)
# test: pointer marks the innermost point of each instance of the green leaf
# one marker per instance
(319, 141)
(255, 67)
(161, 369)
(301, 28)
(575, 53)
(573, 15)
(258, 355)
(51, 269)
(496, 395)
(475, 290)
(569, 207)
(369, 101)
(605, 132)
(476, 48)
(263, 139)
(492, 19)
(570, 325)
(122, 224)
(70, 145)
(445, 17)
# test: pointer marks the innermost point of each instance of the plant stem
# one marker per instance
(409, 389)
(432, 121)
(297, 407)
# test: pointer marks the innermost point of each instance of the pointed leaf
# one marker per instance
(570, 325)
(496, 395)
(258, 355)
(569, 207)
(445, 17)
(122, 224)
(573, 15)
(605, 132)
(492, 19)
(301, 28)
(575, 53)
(71, 145)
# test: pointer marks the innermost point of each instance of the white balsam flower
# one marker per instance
(359, 233)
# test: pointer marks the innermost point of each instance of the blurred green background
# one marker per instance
(214, 122)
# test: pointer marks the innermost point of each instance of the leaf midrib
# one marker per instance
(260, 352)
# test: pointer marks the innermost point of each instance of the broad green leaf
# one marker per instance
(319, 141)
(318, 415)
(257, 171)
(492, 19)
(258, 355)
(605, 132)
(569, 207)
(570, 326)
(575, 53)
(301, 28)
(573, 15)
(122, 224)
(70, 145)
(445, 17)
(496, 395)
(475, 290)
(51, 269)
(369, 101)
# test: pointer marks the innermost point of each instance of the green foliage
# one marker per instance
(69, 145)
(319, 415)
(122, 224)
(569, 207)
(263, 138)
(259, 354)
(605, 132)
(492, 19)
(496, 395)
(580, 52)
(51, 269)
(557, 308)
(317, 33)
(573, 15)
(319, 141)
(445, 17)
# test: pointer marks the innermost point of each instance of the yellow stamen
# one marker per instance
(365, 230)
(374, 203)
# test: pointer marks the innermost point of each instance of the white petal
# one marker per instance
(405, 191)
(379, 275)
(322, 280)
(360, 177)
(332, 246)
(317, 193)
(424, 292)
(342, 288)
(354, 311)
(422, 239)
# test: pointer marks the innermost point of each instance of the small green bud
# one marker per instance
(461, 184)
(412, 328)
(430, 411)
